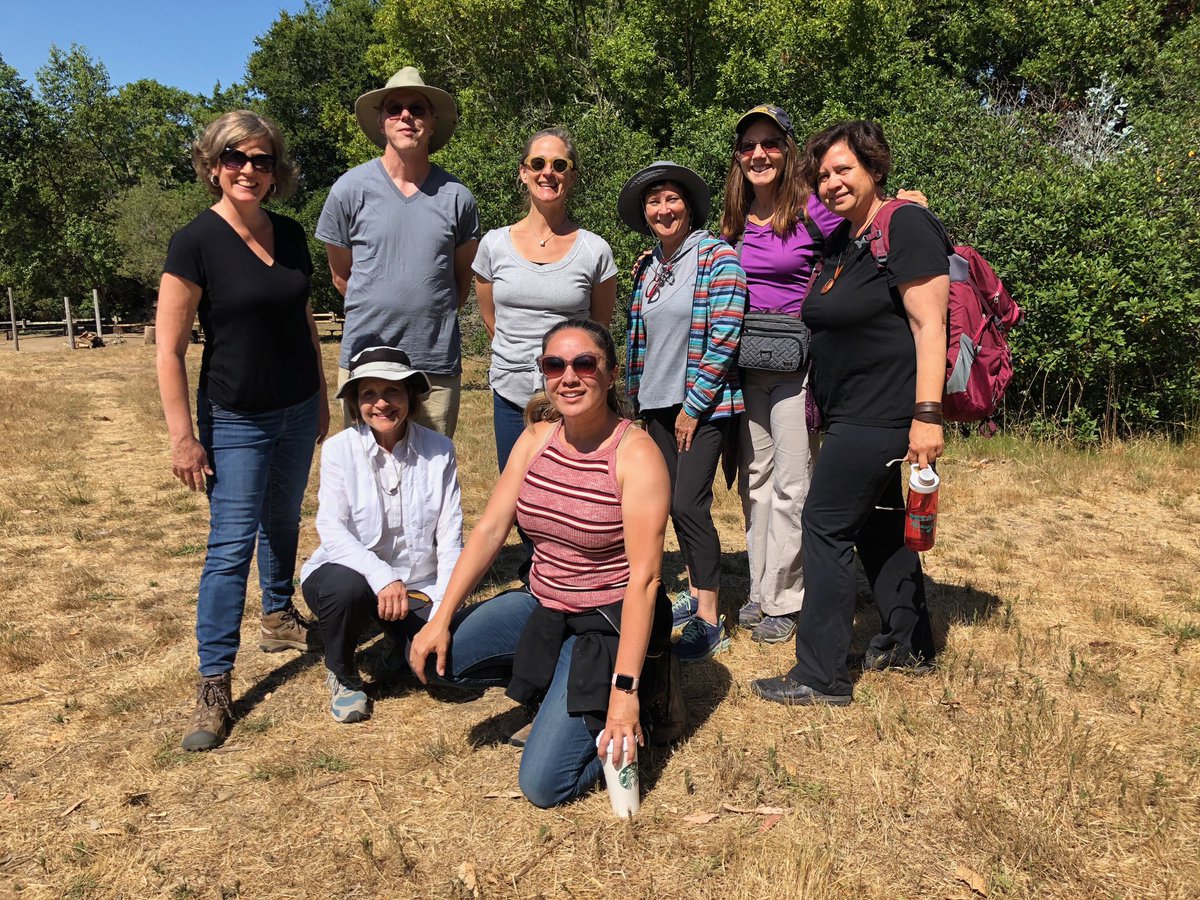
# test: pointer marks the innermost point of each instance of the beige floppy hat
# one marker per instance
(366, 108)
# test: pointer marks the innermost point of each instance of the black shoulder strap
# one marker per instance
(814, 232)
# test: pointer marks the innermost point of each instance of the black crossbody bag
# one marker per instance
(776, 342)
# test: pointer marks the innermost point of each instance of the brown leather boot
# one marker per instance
(213, 715)
(287, 630)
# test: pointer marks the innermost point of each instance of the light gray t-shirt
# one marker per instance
(668, 317)
(530, 299)
(402, 292)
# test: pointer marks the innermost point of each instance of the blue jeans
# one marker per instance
(559, 762)
(260, 463)
(483, 640)
(508, 422)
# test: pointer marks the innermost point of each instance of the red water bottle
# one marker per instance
(920, 513)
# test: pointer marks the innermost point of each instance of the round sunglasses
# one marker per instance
(585, 365)
(557, 163)
(236, 160)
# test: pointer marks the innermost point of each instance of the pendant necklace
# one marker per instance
(857, 242)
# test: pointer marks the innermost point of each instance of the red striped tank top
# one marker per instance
(570, 506)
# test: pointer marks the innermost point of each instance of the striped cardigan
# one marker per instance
(718, 305)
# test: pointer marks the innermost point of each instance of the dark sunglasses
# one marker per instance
(416, 109)
(770, 145)
(585, 365)
(557, 163)
(236, 160)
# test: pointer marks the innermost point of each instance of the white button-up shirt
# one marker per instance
(390, 516)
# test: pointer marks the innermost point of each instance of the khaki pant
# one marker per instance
(439, 411)
(777, 457)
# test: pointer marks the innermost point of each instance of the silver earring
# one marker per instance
(214, 180)
(274, 189)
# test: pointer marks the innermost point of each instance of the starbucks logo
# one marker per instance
(628, 776)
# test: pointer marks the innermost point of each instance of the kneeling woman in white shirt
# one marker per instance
(390, 521)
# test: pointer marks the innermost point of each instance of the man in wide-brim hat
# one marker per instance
(401, 234)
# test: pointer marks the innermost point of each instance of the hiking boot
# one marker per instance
(683, 609)
(701, 640)
(287, 630)
(750, 614)
(213, 716)
(774, 629)
(347, 703)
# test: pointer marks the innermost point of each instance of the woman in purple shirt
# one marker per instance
(779, 228)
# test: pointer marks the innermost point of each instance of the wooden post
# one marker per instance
(70, 323)
(12, 320)
(96, 309)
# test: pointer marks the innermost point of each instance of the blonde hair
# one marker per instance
(229, 131)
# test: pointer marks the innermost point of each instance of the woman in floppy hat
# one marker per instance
(685, 321)
(390, 520)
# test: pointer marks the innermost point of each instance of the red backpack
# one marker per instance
(978, 361)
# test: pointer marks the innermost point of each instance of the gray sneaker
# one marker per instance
(287, 630)
(213, 716)
(347, 703)
(750, 614)
(774, 629)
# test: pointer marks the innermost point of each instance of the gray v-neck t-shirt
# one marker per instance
(402, 291)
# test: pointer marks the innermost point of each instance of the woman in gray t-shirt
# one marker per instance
(531, 275)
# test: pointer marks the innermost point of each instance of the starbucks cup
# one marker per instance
(622, 783)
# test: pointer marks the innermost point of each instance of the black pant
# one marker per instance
(345, 605)
(691, 490)
(851, 478)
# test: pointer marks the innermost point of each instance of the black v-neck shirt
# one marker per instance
(864, 357)
(258, 351)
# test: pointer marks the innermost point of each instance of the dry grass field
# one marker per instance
(1055, 752)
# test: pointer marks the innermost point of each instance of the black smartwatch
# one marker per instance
(626, 683)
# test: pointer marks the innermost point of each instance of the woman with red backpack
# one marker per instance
(878, 352)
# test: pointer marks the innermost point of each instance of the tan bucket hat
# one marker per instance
(366, 108)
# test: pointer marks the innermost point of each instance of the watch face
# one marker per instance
(623, 682)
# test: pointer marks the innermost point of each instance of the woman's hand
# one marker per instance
(925, 443)
(189, 463)
(433, 638)
(622, 728)
(685, 430)
(393, 601)
(913, 197)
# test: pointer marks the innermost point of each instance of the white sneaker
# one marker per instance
(346, 704)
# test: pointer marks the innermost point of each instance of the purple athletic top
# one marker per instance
(777, 269)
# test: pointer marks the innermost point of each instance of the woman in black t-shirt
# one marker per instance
(260, 402)
(879, 366)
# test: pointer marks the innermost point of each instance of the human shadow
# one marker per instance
(705, 685)
(948, 604)
(274, 680)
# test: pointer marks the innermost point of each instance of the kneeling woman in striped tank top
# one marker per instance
(593, 494)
